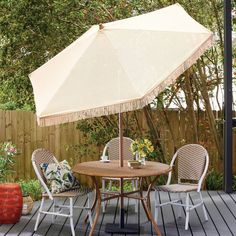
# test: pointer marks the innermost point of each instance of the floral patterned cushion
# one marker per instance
(59, 176)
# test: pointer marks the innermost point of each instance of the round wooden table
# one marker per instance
(112, 169)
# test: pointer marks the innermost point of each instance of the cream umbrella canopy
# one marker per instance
(117, 67)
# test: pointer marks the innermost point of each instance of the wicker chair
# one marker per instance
(112, 148)
(193, 161)
(40, 156)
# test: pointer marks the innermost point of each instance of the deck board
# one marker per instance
(179, 222)
(46, 222)
(195, 223)
(215, 215)
(221, 209)
(29, 229)
(224, 211)
(168, 216)
(208, 227)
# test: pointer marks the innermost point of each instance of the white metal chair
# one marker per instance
(112, 148)
(40, 156)
(193, 161)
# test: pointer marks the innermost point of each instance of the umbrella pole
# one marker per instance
(121, 158)
(121, 228)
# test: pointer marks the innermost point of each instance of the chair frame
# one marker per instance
(134, 181)
(188, 207)
(52, 197)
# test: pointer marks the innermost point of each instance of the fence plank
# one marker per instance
(20, 144)
(2, 126)
(27, 145)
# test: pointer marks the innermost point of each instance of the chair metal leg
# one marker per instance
(179, 207)
(53, 210)
(71, 217)
(89, 211)
(187, 212)
(156, 207)
(203, 207)
(39, 213)
(136, 201)
(103, 190)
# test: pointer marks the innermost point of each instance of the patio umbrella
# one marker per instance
(118, 66)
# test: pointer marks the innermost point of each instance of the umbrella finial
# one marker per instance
(101, 26)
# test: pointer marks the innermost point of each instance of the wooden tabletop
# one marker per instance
(112, 169)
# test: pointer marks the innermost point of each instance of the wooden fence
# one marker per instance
(21, 128)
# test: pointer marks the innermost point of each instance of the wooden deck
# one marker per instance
(221, 210)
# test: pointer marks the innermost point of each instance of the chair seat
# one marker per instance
(177, 188)
(71, 193)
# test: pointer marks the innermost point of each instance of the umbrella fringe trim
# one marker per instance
(131, 105)
(150, 96)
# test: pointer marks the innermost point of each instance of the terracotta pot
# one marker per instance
(28, 204)
(10, 203)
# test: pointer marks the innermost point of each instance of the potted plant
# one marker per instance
(27, 199)
(10, 193)
(31, 191)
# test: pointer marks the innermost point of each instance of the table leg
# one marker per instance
(98, 207)
(148, 193)
(154, 224)
(142, 198)
(92, 207)
(94, 201)
(147, 207)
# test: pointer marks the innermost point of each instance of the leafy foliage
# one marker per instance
(214, 180)
(7, 153)
(32, 188)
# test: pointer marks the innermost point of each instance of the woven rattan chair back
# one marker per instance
(40, 156)
(191, 162)
(113, 148)
(192, 165)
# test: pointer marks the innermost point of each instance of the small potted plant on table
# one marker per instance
(142, 148)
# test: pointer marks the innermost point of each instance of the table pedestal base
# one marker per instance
(127, 229)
